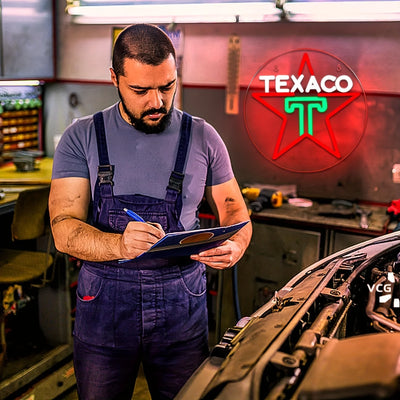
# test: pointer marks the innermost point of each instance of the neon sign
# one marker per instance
(305, 111)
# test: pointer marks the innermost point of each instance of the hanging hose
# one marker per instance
(236, 302)
(235, 291)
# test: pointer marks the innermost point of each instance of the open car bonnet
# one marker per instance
(331, 332)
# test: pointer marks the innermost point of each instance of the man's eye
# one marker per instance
(140, 91)
(166, 88)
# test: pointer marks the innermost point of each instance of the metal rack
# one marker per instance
(20, 119)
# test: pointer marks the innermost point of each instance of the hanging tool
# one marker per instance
(232, 87)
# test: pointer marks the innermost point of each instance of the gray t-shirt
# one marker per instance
(143, 162)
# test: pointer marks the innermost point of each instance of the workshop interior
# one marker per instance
(306, 97)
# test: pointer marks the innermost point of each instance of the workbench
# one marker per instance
(40, 176)
(315, 217)
(12, 182)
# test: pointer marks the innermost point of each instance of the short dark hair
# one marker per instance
(145, 43)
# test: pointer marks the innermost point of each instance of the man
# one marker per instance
(144, 155)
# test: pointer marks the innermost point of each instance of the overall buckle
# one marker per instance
(175, 181)
(105, 174)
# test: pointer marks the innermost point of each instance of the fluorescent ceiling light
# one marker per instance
(178, 13)
(350, 11)
(20, 83)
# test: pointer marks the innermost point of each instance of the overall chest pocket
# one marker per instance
(118, 219)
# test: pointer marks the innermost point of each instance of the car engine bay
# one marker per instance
(332, 332)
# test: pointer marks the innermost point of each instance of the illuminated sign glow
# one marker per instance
(305, 111)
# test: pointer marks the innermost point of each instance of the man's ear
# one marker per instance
(114, 78)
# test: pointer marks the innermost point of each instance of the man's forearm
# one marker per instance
(235, 211)
(243, 237)
(228, 206)
(78, 239)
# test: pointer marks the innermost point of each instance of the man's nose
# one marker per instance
(155, 99)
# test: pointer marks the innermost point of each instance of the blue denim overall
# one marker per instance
(152, 312)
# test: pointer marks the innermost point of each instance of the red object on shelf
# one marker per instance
(394, 208)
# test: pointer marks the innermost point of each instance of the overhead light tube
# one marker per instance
(338, 11)
(20, 83)
(261, 11)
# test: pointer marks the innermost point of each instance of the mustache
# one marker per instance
(161, 110)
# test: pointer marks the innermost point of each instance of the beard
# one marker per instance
(143, 126)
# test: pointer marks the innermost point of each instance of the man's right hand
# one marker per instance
(138, 237)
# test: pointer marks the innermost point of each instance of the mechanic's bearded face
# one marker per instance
(140, 122)
(147, 94)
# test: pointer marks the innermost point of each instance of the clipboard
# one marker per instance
(186, 243)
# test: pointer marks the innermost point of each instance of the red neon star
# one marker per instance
(333, 149)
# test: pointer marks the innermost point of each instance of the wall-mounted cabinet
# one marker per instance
(26, 49)
(274, 256)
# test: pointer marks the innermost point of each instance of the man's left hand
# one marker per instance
(222, 257)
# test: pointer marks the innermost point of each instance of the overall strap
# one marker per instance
(105, 171)
(174, 188)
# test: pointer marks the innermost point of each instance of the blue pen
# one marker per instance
(134, 216)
